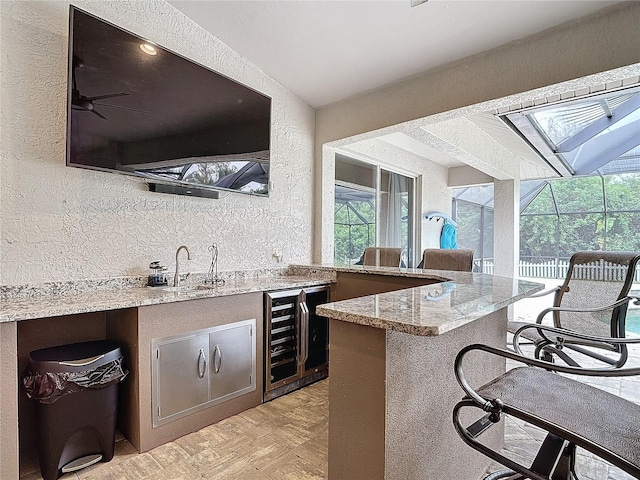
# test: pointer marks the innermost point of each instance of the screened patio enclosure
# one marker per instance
(354, 223)
(593, 145)
(584, 213)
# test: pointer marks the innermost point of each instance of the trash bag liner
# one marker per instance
(58, 371)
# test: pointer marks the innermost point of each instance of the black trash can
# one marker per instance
(76, 390)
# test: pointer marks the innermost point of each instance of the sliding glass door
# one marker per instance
(354, 223)
(397, 213)
(373, 207)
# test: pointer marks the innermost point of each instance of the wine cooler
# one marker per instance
(296, 340)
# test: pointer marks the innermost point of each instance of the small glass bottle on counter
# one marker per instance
(157, 275)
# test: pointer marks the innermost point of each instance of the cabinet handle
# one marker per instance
(202, 364)
(217, 354)
(304, 333)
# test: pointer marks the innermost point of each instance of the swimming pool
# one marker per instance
(633, 321)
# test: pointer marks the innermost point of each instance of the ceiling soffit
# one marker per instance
(475, 147)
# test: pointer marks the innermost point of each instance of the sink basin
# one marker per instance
(186, 288)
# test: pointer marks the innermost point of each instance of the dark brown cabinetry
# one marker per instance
(296, 340)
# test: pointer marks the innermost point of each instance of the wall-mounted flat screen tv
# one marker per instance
(134, 107)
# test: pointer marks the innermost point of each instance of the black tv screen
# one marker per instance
(134, 107)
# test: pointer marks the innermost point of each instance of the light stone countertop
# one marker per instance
(459, 298)
(431, 309)
(71, 302)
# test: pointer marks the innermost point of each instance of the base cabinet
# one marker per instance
(195, 361)
(180, 383)
(200, 369)
(233, 360)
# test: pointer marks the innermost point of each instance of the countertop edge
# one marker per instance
(348, 311)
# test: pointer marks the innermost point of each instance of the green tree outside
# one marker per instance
(567, 216)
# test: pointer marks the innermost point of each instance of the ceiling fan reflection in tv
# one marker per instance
(88, 104)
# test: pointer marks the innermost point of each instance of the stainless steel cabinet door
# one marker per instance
(232, 355)
(181, 375)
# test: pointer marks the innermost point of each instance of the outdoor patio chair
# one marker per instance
(382, 256)
(460, 260)
(593, 300)
(574, 414)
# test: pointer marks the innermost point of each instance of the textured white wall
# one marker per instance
(59, 223)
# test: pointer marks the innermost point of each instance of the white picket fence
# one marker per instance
(557, 268)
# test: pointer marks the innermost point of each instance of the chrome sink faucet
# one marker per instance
(176, 277)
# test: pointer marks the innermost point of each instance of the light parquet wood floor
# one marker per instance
(285, 439)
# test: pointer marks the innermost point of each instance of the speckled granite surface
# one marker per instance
(428, 310)
(432, 309)
(67, 298)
